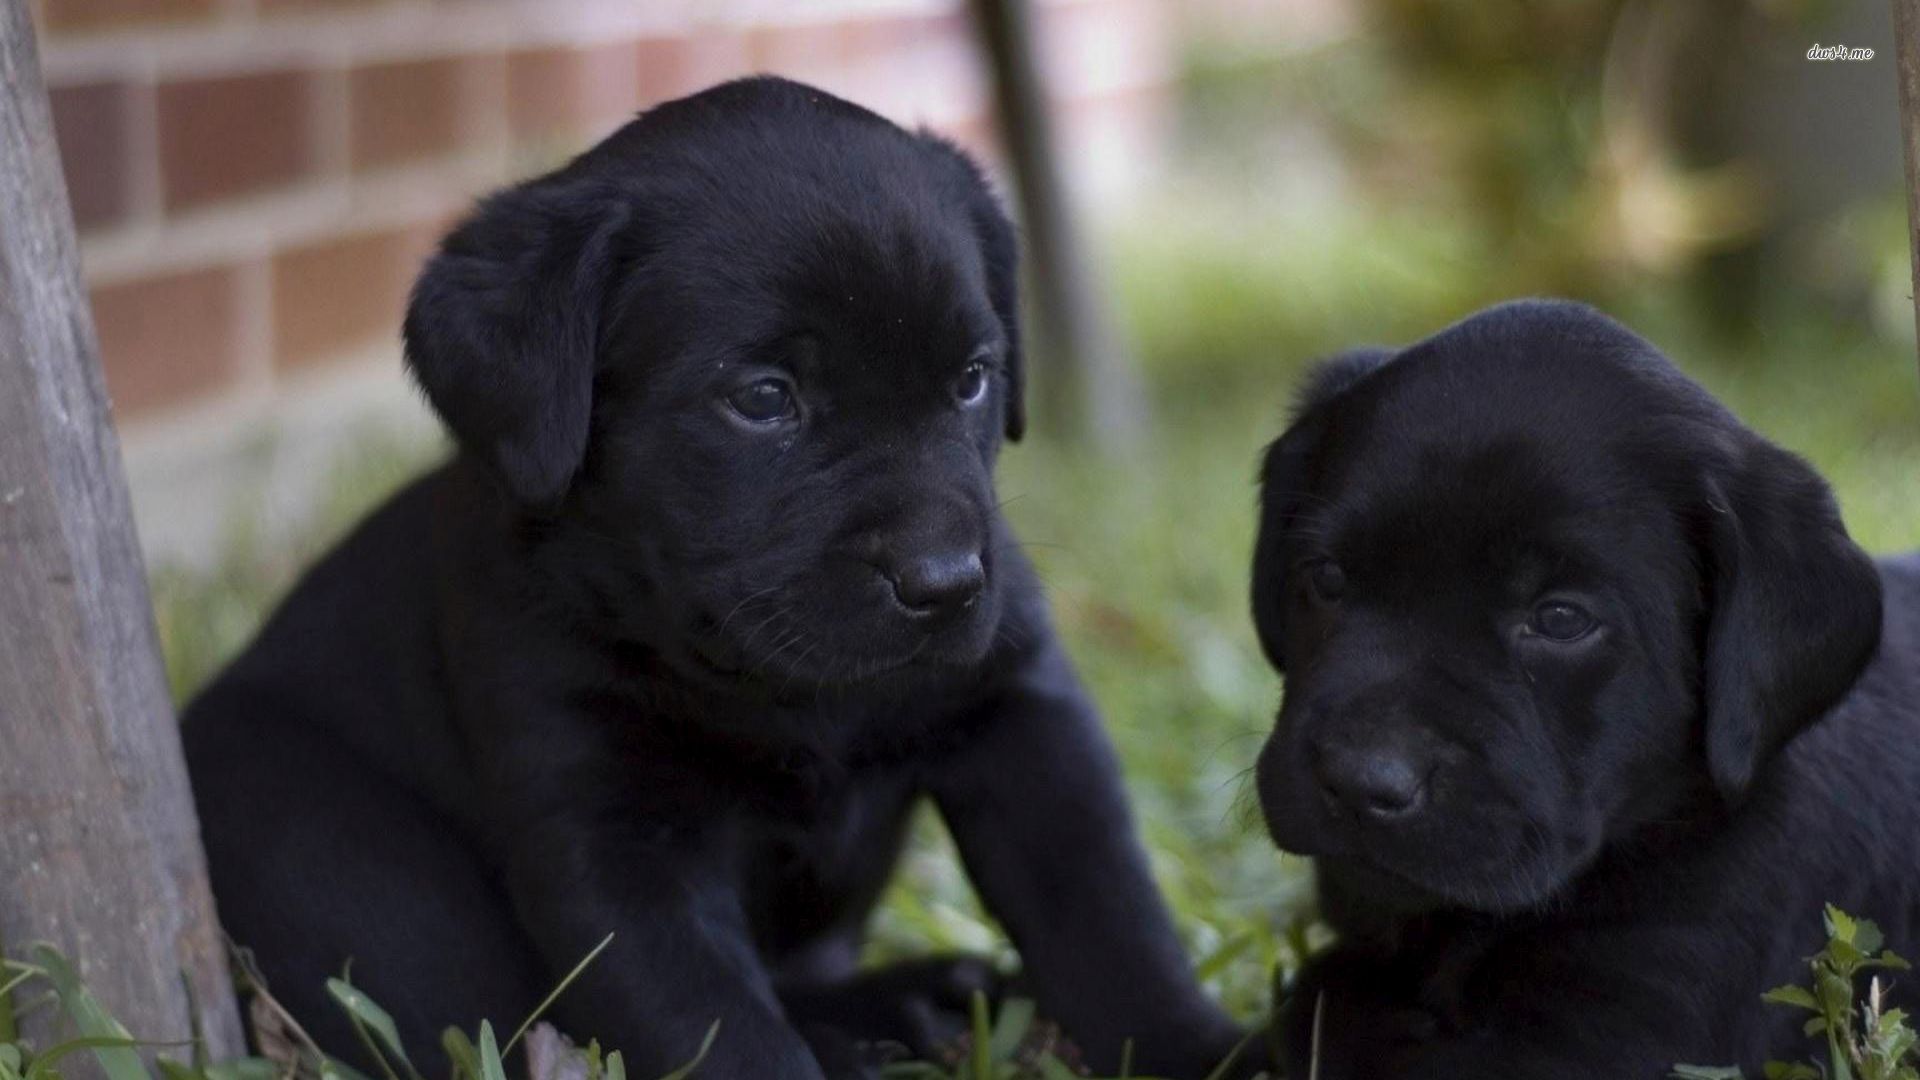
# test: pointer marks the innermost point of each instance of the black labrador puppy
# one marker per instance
(715, 589)
(1591, 704)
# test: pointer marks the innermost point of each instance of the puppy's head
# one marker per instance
(1533, 589)
(745, 366)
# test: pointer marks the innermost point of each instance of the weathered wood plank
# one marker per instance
(99, 847)
(1906, 58)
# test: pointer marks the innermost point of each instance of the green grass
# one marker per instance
(1862, 1039)
(1145, 559)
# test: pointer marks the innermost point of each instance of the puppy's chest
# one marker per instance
(1441, 968)
(816, 862)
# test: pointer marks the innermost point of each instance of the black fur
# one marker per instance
(1556, 847)
(633, 663)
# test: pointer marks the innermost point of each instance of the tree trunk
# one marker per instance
(1906, 58)
(99, 848)
(1083, 376)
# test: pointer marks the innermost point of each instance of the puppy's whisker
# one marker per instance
(1013, 636)
(763, 668)
(793, 668)
(1244, 811)
(781, 612)
(745, 601)
(1236, 737)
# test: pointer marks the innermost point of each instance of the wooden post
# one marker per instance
(99, 847)
(1085, 379)
(1906, 58)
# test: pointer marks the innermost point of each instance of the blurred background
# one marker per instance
(1257, 183)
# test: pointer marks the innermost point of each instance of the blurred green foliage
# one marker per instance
(1587, 140)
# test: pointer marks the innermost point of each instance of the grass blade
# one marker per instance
(43, 1063)
(615, 1066)
(246, 1068)
(332, 1068)
(1233, 1057)
(1218, 961)
(1016, 1019)
(366, 1040)
(1052, 1068)
(368, 1016)
(540, 1009)
(490, 1066)
(9, 1024)
(980, 1054)
(1313, 1051)
(173, 1070)
(460, 1051)
(114, 1050)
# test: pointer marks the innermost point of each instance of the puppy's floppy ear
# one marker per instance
(504, 324)
(1795, 608)
(1000, 253)
(1285, 476)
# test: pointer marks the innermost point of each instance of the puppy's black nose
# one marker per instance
(1382, 785)
(939, 584)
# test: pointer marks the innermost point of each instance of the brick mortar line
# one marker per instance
(329, 208)
(329, 110)
(254, 332)
(146, 201)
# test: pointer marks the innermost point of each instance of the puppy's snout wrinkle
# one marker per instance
(1384, 784)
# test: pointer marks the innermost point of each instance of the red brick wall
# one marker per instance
(256, 181)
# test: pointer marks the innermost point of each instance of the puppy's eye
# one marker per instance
(1558, 620)
(971, 387)
(764, 401)
(1327, 580)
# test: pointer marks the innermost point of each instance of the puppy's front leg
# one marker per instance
(681, 957)
(1036, 806)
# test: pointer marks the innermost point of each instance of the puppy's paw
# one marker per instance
(919, 1005)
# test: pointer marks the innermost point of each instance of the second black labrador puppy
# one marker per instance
(1591, 704)
(715, 589)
